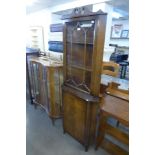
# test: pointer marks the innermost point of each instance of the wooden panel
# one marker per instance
(93, 120)
(54, 87)
(74, 116)
(113, 149)
(80, 115)
(116, 107)
(123, 137)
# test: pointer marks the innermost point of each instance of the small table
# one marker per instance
(117, 108)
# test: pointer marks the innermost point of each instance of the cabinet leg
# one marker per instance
(86, 148)
(35, 105)
(64, 131)
(117, 124)
(31, 100)
(53, 121)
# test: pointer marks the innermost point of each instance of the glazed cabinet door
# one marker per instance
(83, 52)
(79, 54)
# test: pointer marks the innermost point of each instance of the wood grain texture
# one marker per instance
(118, 109)
(83, 40)
(79, 119)
(113, 149)
(46, 83)
(99, 40)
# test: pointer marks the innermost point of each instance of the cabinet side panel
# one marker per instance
(93, 120)
(98, 53)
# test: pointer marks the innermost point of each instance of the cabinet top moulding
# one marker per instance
(82, 12)
(83, 40)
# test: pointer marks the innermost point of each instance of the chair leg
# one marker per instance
(101, 131)
(98, 141)
(117, 124)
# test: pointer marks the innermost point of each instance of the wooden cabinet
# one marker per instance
(83, 39)
(46, 80)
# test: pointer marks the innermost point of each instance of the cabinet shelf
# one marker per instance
(80, 43)
(80, 67)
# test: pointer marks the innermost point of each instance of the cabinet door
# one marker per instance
(79, 53)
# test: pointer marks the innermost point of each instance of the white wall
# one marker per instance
(121, 42)
(108, 9)
(77, 3)
(41, 18)
(45, 17)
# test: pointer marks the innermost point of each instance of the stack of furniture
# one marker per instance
(46, 80)
(114, 104)
(83, 39)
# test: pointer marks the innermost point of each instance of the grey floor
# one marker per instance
(42, 138)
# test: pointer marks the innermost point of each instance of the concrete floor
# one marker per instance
(42, 138)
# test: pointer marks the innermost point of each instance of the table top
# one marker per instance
(105, 79)
(46, 61)
(116, 107)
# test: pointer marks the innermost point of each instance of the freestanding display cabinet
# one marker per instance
(83, 39)
(46, 80)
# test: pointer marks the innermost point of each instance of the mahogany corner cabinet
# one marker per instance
(83, 39)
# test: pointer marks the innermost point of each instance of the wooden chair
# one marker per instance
(114, 104)
(110, 68)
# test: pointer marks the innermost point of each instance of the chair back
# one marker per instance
(110, 68)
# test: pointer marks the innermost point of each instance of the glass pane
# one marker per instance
(80, 40)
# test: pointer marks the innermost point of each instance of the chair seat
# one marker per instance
(113, 106)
